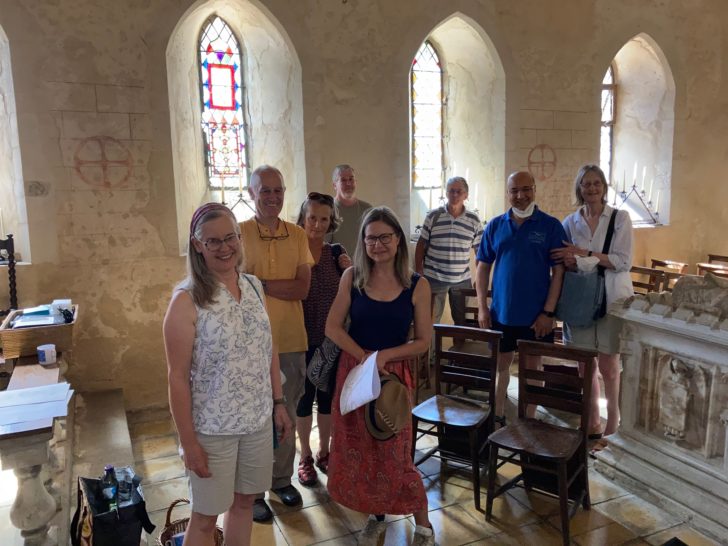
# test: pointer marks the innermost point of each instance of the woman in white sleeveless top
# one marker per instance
(224, 380)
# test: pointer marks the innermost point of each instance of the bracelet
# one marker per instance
(279, 401)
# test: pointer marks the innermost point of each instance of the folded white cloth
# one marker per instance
(587, 264)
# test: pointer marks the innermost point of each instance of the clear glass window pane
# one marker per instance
(426, 97)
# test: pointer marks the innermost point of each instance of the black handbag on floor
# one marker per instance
(95, 525)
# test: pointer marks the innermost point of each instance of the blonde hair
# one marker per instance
(200, 283)
(363, 263)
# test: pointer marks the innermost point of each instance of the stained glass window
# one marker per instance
(607, 132)
(426, 96)
(223, 122)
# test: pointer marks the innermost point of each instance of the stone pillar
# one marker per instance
(34, 507)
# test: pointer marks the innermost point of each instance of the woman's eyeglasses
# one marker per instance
(213, 245)
(272, 237)
(321, 197)
(384, 238)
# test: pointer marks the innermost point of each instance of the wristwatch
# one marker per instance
(549, 314)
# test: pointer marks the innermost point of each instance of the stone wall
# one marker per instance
(92, 94)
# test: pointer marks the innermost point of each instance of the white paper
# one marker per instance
(34, 395)
(362, 385)
(34, 412)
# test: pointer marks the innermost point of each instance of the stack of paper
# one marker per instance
(32, 408)
(361, 386)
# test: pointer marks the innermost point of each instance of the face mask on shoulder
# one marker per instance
(524, 213)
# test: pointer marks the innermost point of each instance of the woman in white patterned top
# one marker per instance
(224, 380)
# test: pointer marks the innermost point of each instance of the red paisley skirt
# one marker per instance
(368, 475)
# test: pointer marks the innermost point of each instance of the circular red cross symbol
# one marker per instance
(542, 162)
(103, 161)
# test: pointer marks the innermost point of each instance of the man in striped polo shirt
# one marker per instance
(443, 250)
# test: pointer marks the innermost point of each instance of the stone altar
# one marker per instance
(672, 445)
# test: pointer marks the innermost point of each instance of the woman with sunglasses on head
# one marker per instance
(587, 231)
(382, 296)
(318, 217)
(224, 380)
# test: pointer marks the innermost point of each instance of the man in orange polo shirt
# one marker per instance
(277, 253)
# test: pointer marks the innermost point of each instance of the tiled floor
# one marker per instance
(617, 517)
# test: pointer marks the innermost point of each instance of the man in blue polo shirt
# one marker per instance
(526, 282)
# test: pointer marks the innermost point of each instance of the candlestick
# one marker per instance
(657, 203)
(649, 198)
(222, 193)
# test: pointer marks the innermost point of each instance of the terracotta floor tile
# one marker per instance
(313, 524)
(543, 505)
(444, 494)
(454, 525)
(267, 534)
(684, 533)
(539, 534)
(161, 469)
(639, 516)
(153, 448)
(507, 514)
(609, 535)
(582, 521)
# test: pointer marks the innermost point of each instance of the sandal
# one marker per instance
(306, 472)
(598, 446)
(322, 462)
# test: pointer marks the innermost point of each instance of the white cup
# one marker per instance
(46, 354)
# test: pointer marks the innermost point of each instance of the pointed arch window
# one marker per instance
(606, 148)
(426, 93)
(223, 120)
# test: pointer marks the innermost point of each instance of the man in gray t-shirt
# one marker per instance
(350, 208)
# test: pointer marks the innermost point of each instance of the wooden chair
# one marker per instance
(647, 279)
(553, 458)
(717, 268)
(718, 259)
(9, 247)
(461, 423)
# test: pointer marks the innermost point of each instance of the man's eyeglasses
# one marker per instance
(384, 238)
(272, 237)
(321, 198)
(524, 190)
(213, 245)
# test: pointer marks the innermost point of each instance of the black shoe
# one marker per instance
(289, 495)
(261, 511)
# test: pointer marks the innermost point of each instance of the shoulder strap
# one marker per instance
(254, 288)
(608, 238)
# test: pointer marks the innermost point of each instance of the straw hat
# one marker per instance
(390, 413)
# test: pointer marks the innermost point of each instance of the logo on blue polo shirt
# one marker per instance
(537, 237)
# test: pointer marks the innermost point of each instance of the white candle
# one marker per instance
(644, 174)
(657, 202)
(222, 193)
(649, 198)
(624, 180)
(634, 176)
(240, 182)
(2, 226)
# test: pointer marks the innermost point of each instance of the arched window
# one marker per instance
(638, 121)
(223, 119)
(607, 131)
(427, 124)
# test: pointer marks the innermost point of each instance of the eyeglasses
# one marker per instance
(384, 238)
(456, 191)
(524, 190)
(213, 245)
(592, 184)
(272, 237)
(321, 197)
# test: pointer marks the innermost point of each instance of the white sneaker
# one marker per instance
(424, 536)
(369, 536)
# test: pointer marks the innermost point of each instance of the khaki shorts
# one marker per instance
(603, 335)
(240, 463)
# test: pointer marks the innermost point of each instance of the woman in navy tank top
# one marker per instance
(383, 297)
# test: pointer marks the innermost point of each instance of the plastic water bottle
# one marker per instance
(126, 487)
(110, 487)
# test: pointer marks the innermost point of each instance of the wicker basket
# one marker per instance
(171, 528)
(25, 341)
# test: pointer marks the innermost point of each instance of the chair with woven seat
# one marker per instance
(553, 458)
(460, 422)
(9, 247)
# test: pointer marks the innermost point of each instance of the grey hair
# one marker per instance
(579, 199)
(255, 175)
(337, 171)
(452, 180)
(201, 284)
(363, 263)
